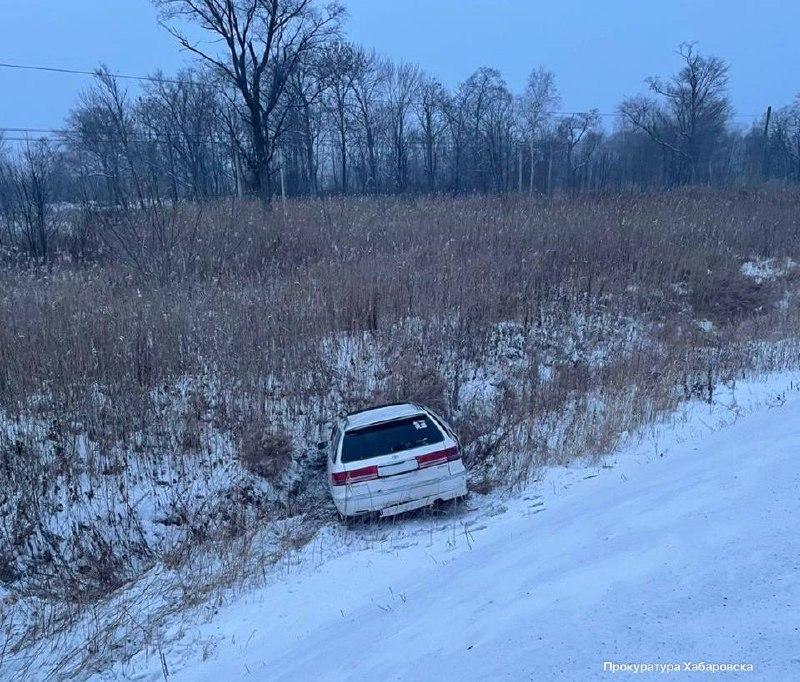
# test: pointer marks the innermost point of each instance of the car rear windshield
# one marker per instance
(394, 436)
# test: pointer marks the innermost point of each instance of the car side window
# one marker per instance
(334, 444)
(443, 424)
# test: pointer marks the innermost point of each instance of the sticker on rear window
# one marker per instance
(420, 424)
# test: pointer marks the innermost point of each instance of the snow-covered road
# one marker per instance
(689, 557)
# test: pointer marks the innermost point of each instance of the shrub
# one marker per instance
(265, 452)
(417, 382)
(728, 296)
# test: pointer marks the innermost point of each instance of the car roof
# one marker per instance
(382, 413)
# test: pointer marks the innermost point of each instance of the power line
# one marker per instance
(66, 136)
(98, 72)
(32, 130)
(63, 140)
(606, 113)
(155, 79)
(32, 139)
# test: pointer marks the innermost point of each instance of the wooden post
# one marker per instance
(765, 160)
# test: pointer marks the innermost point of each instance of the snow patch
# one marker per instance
(706, 326)
(765, 270)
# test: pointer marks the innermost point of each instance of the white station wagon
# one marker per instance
(393, 459)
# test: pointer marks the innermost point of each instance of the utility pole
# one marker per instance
(765, 160)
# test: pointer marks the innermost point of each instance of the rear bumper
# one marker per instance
(394, 497)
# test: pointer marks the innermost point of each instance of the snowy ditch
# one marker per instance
(157, 622)
(103, 510)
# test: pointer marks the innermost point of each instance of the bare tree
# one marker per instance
(690, 111)
(432, 122)
(489, 115)
(578, 133)
(403, 82)
(181, 117)
(369, 86)
(536, 105)
(455, 113)
(264, 41)
(8, 212)
(338, 68)
(787, 136)
(27, 201)
(103, 136)
(307, 86)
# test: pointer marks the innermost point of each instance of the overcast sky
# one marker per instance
(600, 50)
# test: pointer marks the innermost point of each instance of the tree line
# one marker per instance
(279, 103)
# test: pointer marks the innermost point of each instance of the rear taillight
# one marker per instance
(440, 457)
(354, 476)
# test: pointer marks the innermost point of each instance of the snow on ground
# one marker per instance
(683, 548)
(767, 269)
